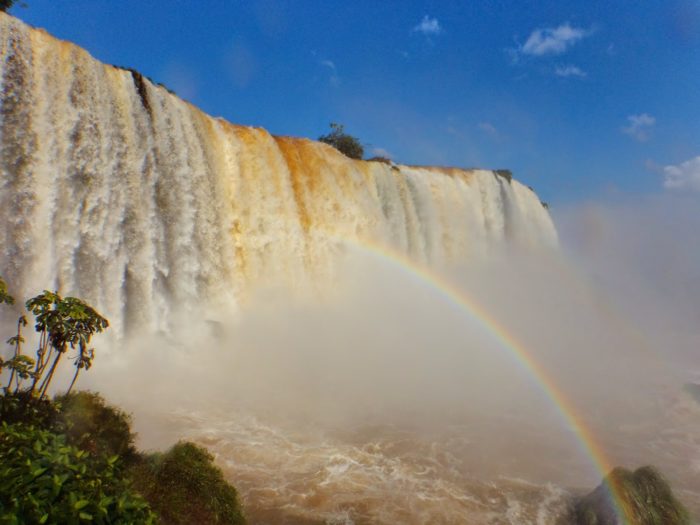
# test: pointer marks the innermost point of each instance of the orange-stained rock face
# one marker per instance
(117, 190)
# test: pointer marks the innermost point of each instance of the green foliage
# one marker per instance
(5, 297)
(22, 407)
(644, 494)
(84, 418)
(20, 365)
(385, 160)
(61, 461)
(90, 424)
(45, 480)
(61, 324)
(346, 144)
(184, 486)
(6, 4)
(67, 321)
(506, 174)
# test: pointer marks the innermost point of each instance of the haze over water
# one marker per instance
(257, 308)
(386, 403)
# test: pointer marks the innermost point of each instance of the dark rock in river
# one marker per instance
(644, 494)
(693, 389)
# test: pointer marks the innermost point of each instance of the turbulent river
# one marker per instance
(298, 312)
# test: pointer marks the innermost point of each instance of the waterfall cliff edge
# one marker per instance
(115, 190)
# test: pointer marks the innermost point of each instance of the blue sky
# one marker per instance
(580, 99)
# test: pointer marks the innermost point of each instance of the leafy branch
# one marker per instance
(62, 324)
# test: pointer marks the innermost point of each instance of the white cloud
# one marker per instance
(639, 127)
(381, 152)
(489, 129)
(181, 79)
(428, 26)
(241, 64)
(334, 79)
(683, 176)
(552, 41)
(570, 71)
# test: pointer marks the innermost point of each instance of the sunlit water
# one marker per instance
(385, 474)
(116, 191)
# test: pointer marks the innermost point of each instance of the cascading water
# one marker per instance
(116, 191)
(119, 192)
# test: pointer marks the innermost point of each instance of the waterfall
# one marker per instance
(117, 191)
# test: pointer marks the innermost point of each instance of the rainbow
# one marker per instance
(564, 407)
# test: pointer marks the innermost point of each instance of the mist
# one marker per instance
(335, 383)
(284, 388)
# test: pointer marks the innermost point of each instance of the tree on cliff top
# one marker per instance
(347, 144)
(6, 4)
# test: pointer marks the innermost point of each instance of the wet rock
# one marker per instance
(693, 389)
(644, 496)
(506, 174)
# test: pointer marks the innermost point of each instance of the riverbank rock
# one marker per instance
(644, 494)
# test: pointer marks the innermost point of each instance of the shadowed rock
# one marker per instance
(506, 174)
(693, 389)
(644, 494)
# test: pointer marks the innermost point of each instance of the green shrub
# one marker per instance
(91, 425)
(6, 4)
(506, 174)
(23, 407)
(346, 144)
(45, 480)
(82, 417)
(183, 486)
(61, 461)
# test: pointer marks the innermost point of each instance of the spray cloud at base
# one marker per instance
(383, 396)
(335, 382)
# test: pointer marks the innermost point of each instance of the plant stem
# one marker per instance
(75, 376)
(41, 359)
(17, 352)
(45, 385)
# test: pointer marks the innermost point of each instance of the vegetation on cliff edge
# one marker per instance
(72, 459)
(347, 144)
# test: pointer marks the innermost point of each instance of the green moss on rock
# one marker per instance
(92, 425)
(693, 390)
(183, 486)
(644, 494)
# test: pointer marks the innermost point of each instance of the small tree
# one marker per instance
(61, 323)
(7, 4)
(347, 144)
